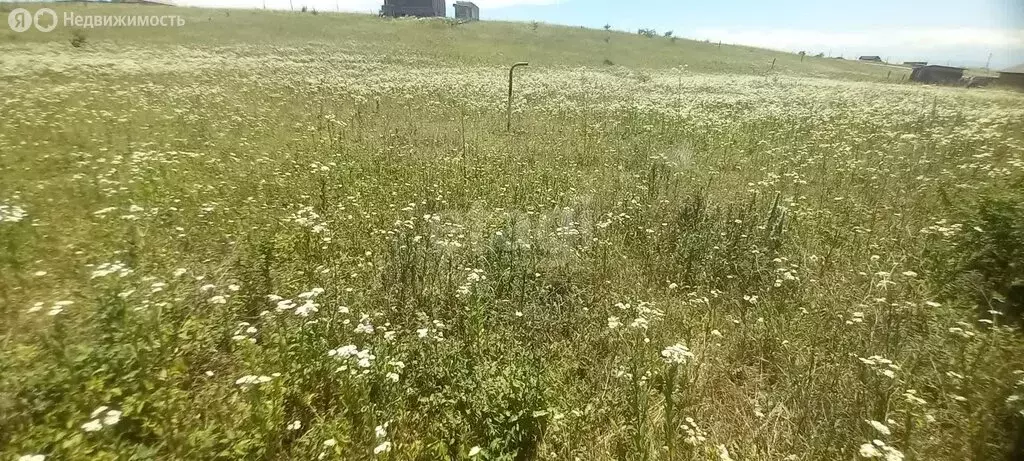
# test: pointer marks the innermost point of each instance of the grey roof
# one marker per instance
(1018, 69)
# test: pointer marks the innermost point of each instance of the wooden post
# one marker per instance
(508, 125)
(773, 65)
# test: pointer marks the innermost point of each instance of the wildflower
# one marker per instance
(12, 213)
(330, 443)
(92, 426)
(112, 418)
(295, 425)
(251, 380)
(218, 300)
(694, 434)
(382, 448)
(394, 377)
(115, 268)
(311, 293)
(881, 428)
(474, 451)
(868, 450)
(911, 397)
(309, 307)
(676, 355)
(32, 458)
(613, 322)
(381, 431)
(364, 328)
(723, 453)
(179, 272)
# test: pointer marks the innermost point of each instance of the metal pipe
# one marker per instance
(508, 125)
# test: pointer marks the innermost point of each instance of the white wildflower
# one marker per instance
(881, 428)
(676, 355)
(12, 213)
(723, 453)
(382, 448)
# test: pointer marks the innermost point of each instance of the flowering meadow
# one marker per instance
(272, 250)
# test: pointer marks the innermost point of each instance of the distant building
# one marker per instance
(1013, 76)
(467, 11)
(418, 8)
(870, 58)
(937, 74)
(915, 63)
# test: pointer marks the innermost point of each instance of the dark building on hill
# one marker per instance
(467, 11)
(1013, 76)
(937, 74)
(870, 58)
(418, 8)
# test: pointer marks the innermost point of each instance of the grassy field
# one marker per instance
(269, 235)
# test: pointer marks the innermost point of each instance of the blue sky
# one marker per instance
(941, 31)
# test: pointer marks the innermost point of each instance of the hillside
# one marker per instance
(480, 43)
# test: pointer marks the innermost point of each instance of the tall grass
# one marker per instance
(312, 252)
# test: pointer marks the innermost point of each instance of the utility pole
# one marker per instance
(988, 61)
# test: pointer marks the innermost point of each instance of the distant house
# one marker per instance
(467, 11)
(870, 58)
(915, 63)
(1013, 76)
(937, 74)
(418, 8)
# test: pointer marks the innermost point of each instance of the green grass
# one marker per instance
(477, 43)
(297, 236)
